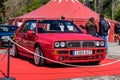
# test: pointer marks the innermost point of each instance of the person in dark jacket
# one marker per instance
(104, 29)
(116, 32)
(90, 27)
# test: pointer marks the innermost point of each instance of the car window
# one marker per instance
(43, 27)
(24, 28)
(8, 28)
(12, 28)
(4, 29)
(29, 25)
(71, 27)
(57, 26)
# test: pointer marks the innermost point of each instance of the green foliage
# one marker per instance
(34, 4)
(108, 12)
(117, 12)
(2, 7)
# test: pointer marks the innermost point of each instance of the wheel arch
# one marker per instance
(38, 44)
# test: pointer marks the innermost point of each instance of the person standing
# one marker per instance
(90, 27)
(117, 29)
(117, 32)
(104, 27)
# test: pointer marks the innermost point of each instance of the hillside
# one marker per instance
(14, 8)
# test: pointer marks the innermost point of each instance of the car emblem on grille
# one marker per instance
(70, 45)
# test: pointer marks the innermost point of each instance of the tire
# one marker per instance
(14, 52)
(37, 59)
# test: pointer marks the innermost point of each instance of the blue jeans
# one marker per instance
(106, 41)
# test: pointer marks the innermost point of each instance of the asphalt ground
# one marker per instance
(113, 52)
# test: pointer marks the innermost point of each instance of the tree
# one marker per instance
(34, 4)
(2, 10)
(117, 12)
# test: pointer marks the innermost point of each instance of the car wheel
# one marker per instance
(37, 59)
(14, 52)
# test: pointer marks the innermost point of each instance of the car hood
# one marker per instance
(67, 36)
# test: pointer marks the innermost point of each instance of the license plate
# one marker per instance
(82, 52)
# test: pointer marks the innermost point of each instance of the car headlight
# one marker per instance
(102, 43)
(97, 43)
(5, 37)
(57, 44)
(60, 44)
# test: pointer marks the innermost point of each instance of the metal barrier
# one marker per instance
(8, 66)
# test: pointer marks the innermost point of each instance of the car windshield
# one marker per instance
(8, 28)
(60, 26)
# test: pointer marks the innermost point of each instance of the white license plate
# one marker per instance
(82, 52)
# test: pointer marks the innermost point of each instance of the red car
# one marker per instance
(58, 40)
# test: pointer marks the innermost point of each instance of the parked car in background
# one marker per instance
(58, 40)
(6, 31)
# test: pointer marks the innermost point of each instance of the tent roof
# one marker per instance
(72, 9)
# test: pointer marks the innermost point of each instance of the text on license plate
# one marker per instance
(82, 52)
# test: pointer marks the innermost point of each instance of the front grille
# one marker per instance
(82, 44)
(73, 44)
(88, 44)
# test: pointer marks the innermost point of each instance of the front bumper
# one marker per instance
(98, 55)
(4, 43)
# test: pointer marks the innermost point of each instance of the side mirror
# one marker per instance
(30, 32)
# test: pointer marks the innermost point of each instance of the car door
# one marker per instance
(30, 38)
(21, 36)
(27, 41)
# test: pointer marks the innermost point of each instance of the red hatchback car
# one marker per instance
(58, 40)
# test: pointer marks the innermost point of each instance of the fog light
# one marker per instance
(91, 57)
(61, 58)
(62, 52)
(100, 56)
(55, 52)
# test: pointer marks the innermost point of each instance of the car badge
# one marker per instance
(70, 45)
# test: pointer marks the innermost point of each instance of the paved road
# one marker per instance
(114, 50)
(3, 51)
